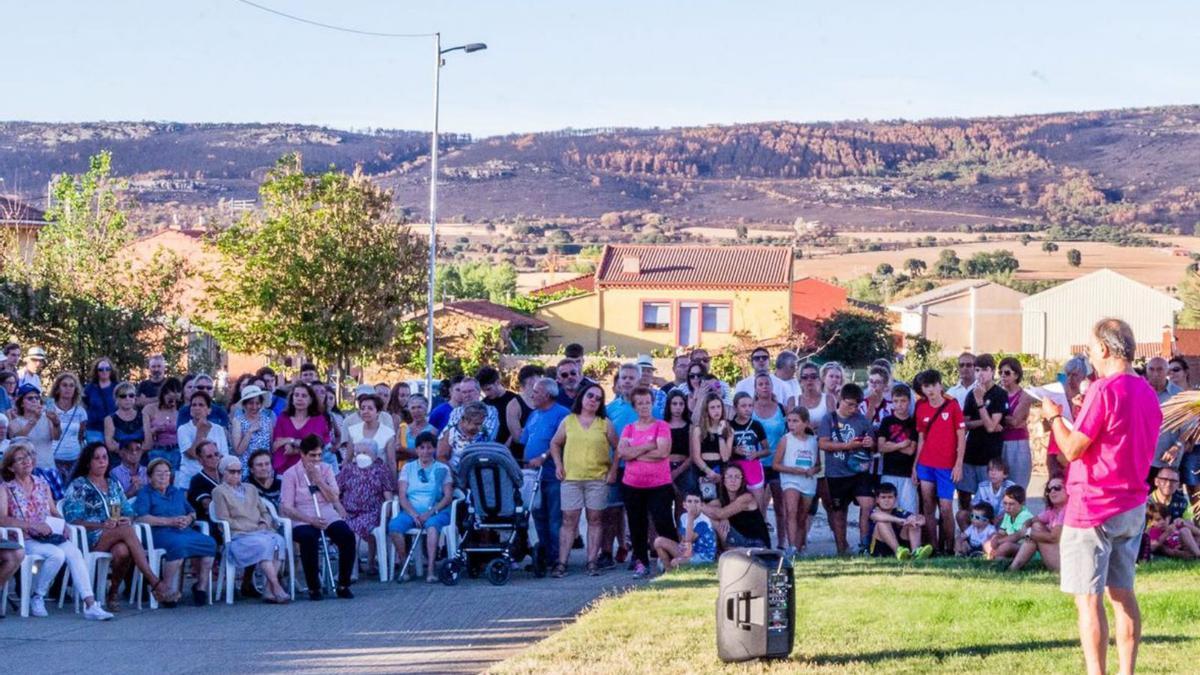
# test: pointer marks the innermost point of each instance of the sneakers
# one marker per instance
(903, 554)
(95, 613)
(640, 570)
(923, 552)
(345, 593)
(37, 606)
(605, 560)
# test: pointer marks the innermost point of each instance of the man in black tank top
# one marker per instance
(496, 396)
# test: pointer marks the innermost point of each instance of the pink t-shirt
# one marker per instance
(639, 474)
(1120, 414)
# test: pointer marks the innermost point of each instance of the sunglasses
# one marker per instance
(233, 470)
(104, 369)
(810, 376)
(422, 476)
(976, 516)
(1007, 372)
(966, 365)
(563, 376)
(200, 388)
(1167, 480)
(1176, 370)
(593, 396)
(127, 396)
(760, 357)
(1054, 488)
(695, 376)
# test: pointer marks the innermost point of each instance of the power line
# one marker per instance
(328, 26)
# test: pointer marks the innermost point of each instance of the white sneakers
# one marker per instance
(96, 613)
(37, 606)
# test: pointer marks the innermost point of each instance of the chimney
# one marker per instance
(631, 265)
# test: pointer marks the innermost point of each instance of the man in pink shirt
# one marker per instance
(1110, 450)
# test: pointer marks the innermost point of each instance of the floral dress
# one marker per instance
(362, 493)
(84, 502)
(33, 506)
(261, 439)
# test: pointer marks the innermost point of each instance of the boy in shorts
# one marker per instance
(977, 533)
(897, 442)
(1015, 527)
(941, 444)
(894, 531)
(697, 539)
(847, 441)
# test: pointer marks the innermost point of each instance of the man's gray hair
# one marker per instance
(786, 359)
(632, 366)
(1117, 336)
(1078, 364)
(548, 385)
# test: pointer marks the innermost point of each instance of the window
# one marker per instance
(714, 318)
(656, 316)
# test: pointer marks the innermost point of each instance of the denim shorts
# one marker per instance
(404, 522)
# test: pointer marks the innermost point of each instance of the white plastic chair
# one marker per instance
(289, 545)
(389, 511)
(228, 569)
(98, 565)
(384, 555)
(156, 556)
(27, 573)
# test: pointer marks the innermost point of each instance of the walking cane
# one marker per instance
(412, 551)
(328, 573)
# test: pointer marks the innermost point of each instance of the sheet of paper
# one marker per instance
(1055, 392)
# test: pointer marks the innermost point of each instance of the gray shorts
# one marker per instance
(577, 494)
(1095, 558)
(972, 476)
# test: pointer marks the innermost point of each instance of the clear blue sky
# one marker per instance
(554, 64)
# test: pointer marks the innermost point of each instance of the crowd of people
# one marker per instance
(660, 471)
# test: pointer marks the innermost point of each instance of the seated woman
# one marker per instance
(125, 424)
(165, 509)
(251, 423)
(311, 498)
(26, 503)
(735, 513)
(370, 432)
(194, 434)
(96, 501)
(456, 437)
(426, 489)
(365, 483)
(1047, 529)
(255, 541)
(263, 476)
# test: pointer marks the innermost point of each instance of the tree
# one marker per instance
(1025, 238)
(884, 270)
(1189, 293)
(83, 295)
(1049, 247)
(741, 231)
(855, 337)
(480, 280)
(948, 264)
(328, 268)
(915, 266)
(984, 263)
(1074, 257)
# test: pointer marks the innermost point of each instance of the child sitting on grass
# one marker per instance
(991, 492)
(894, 531)
(1166, 538)
(697, 540)
(979, 530)
(1015, 527)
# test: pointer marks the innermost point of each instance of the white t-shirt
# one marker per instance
(189, 467)
(424, 494)
(382, 436)
(67, 447)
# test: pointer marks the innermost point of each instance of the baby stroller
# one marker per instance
(495, 514)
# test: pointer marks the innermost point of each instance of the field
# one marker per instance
(1155, 267)
(859, 615)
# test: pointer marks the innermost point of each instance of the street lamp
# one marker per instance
(438, 53)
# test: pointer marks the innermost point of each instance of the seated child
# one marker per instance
(697, 540)
(1015, 527)
(1166, 538)
(972, 538)
(991, 492)
(894, 531)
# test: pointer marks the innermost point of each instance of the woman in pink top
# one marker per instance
(647, 487)
(1016, 451)
(311, 498)
(301, 418)
(1047, 528)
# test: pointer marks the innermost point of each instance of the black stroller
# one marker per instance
(488, 533)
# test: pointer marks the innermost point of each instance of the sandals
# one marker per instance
(559, 571)
(592, 569)
(163, 596)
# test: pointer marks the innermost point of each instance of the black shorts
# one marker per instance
(843, 491)
(772, 476)
(879, 549)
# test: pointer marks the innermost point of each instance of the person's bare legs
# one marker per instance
(1050, 556)
(783, 531)
(945, 540)
(837, 523)
(1129, 627)
(667, 551)
(790, 507)
(270, 570)
(1024, 553)
(170, 572)
(913, 532)
(865, 504)
(432, 539)
(885, 533)
(1093, 632)
(929, 507)
(399, 544)
(566, 535)
(202, 568)
(595, 528)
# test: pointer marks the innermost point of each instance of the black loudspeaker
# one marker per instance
(756, 612)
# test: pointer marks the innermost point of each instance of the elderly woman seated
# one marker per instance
(255, 541)
(365, 483)
(27, 503)
(165, 509)
(96, 501)
(426, 489)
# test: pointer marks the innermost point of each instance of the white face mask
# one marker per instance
(363, 461)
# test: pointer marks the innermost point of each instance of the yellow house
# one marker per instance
(19, 225)
(648, 297)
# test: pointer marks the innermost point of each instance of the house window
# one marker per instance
(656, 316)
(714, 318)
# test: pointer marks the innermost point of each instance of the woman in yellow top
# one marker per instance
(582, 452)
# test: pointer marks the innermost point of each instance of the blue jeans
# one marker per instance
(547, 520)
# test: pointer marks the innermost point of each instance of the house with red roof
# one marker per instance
(645, 297)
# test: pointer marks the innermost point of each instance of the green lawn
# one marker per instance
(857, 615)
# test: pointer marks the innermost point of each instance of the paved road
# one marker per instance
(409, 628)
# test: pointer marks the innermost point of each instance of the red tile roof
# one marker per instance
(489, 310)
(814, 298)
(696, 266)
(1187, 341)
(585, 282)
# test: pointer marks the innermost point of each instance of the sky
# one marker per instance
(569, 63)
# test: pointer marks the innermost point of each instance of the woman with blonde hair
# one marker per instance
(712, 444)
(65, 397)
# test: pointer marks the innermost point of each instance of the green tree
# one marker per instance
(479, 280)
(83, 295)
(923, 354)
(855, 337)
(1189, 293)
(915, 266)
(948, 264)
(1025, 238)
(1074, 257)
(884, 270)
(1049, 247)
(328, 268)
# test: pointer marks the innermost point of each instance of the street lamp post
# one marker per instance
(438, 53)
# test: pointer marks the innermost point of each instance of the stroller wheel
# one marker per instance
(449, 572)
(498, 571)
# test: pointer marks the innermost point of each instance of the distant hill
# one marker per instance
(1127, 169)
